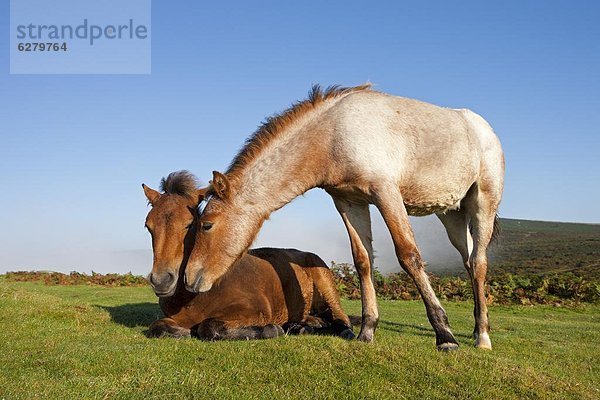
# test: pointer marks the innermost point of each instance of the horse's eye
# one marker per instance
(206, 226)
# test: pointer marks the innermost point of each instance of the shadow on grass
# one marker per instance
(420, 330)
(143, 314)
(134, 314)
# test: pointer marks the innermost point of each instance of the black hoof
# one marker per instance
(297, 328)
(211, 330)
(347, 334)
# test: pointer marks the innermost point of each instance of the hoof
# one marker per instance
(161, 329)
(184, 334)
(210, 330)
(315, 322)
(272, 331)
(483, 342)
(306, 330)
(367, 330)
(347, 334)
(366, 337)
(297, 328)
(447, 347)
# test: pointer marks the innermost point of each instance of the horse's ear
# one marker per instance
(220, 184)
(151, 194)
(200, 194)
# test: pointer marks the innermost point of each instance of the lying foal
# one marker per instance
(266, 290)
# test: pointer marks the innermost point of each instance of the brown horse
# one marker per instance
(364, 147)
(267, 289)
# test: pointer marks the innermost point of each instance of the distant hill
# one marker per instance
(540, 247)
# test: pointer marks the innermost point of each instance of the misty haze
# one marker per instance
(324, 236)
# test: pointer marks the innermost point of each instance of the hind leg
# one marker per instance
(481, 207)
(214, 329)
(167, 327)
(327, 302)
(457, 228)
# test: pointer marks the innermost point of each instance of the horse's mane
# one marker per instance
(182, 183)
(275, 124)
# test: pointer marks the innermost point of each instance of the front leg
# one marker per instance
(358, 224)
(214, 329)
(388, 200)
(167, 327)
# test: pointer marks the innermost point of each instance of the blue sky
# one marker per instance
(75, 148)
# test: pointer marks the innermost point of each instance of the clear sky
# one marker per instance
(74, 149)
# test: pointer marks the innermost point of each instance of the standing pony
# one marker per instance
(364, 147)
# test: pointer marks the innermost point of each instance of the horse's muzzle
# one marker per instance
(199, 284)
(164, 284)
(193, 286)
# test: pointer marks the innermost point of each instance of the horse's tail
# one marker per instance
(497, 230)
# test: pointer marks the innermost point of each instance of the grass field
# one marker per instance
(88, 342)
(539, 247)
(542, 247)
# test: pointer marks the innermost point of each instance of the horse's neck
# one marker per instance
(283, 171)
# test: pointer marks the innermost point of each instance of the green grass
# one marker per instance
(538, 247)
(88, 342)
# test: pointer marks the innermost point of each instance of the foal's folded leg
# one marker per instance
(315, 322)
(329, 306)
(337, 327)
(299, 328)
(342, 329)
(214, 329)
(167, 327)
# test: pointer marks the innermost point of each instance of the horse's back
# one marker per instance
(433, 153)
(299, 257)
(293, 267)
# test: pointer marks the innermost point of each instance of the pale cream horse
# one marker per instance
(363, 147)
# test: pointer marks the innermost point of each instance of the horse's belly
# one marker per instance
(437, 184)
(425, 198)
(420, 210)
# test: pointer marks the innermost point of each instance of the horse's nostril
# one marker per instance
(164, 279)
(189, 285)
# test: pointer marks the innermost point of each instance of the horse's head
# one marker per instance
(171, 225)
(223, 233)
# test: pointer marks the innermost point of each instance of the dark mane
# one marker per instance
(182, 183)
(276, 123)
